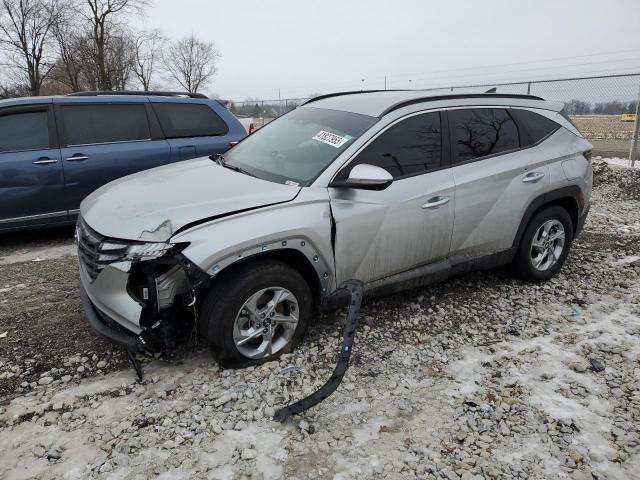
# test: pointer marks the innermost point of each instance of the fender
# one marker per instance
(320, 265)
(572, 192)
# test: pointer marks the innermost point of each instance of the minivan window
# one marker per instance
(298, 146)
(536, 126)
(24, 131)
(90, 124)
(480, 132)
(181, 120)
(410, 147)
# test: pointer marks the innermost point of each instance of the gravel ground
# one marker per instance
(479, 377)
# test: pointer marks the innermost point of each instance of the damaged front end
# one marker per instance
(137, 293)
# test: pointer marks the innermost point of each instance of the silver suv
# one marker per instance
(391, 188)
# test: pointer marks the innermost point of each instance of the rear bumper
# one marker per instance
(106, 328)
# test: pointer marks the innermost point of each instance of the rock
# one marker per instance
(223, 399)
(249, 454)
(101, 364)
(578, 367)
(45, 380)
(596, 365)
(575, 456)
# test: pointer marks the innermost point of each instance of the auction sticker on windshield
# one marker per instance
(331, 138)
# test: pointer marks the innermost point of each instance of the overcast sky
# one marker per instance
(303, 46)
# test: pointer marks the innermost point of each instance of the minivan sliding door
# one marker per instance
(104, 141)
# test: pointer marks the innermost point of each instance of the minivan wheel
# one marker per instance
(256, 313)
(544, 245)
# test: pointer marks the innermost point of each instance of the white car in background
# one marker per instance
(247, 122)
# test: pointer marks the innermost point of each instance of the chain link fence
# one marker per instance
(604, 108)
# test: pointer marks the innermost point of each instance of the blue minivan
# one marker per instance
(54, 151)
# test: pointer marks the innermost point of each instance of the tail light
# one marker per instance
(252, 127)
(587, 155)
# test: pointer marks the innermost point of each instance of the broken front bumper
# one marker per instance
(106, 327)
(109, 294)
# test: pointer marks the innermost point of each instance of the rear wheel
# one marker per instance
(256, 313)
(545, 245)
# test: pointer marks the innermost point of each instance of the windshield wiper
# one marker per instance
(219, 159)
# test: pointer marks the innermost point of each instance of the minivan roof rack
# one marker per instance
(136, 92)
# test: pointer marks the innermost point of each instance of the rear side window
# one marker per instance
(90, 124)
(536, 126)
(480, 132)
(24, 131)
(410, 147)
(179, 120)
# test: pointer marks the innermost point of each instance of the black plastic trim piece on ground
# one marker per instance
(135, 363)
(356, 289)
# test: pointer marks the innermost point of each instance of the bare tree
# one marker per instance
(71, 65)
(26, 30)
(191, 62)
(102, 16)
(146, 56)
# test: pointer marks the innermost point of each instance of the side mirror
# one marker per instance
(367, 177)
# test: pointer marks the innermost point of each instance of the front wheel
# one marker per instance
(256, 313)
(545, 245)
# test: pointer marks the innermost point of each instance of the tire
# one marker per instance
(529, 255)
(224, 324)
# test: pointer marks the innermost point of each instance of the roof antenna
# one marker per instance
(491, 90)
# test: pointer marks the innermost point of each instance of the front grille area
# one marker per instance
(89, 249)
(96, 251)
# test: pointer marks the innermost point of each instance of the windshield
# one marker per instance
(298, 146)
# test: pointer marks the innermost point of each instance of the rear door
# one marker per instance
(31, 180)
(380, 233)
(496, 177)
(103, 141)
(192, 129)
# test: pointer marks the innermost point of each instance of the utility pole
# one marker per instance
(385, 82)
(633, 152)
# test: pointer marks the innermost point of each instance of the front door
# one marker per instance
(408, 224)
(31, 179)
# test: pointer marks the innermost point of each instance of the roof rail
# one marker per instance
(411, 101)
(433, 98)
(135, 92)
(338, 94)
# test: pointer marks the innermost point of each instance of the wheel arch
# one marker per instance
(566, 197)
(290, 257)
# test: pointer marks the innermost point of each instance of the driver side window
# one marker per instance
(410, 147)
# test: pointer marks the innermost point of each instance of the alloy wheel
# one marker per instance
(547, 245)
(266, 322)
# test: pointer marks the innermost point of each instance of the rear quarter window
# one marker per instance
(535, 126)
(180, 120)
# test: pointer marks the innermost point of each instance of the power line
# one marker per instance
(390, 78)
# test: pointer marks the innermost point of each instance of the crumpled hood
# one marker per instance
(153, 204)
